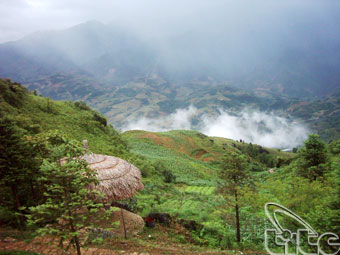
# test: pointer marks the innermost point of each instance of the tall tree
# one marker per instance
(69, 204)
(313, 159)
(234, 175)
(17, 165)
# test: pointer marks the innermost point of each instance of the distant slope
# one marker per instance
(193, 156)
(112, 56)
(323, 116)
(155, 97)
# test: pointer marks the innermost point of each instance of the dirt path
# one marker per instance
(133, 246)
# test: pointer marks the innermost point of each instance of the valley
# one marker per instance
(193, 127)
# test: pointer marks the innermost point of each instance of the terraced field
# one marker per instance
(200, 190)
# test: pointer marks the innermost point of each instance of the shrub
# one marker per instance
(169, 177)
(100, 119)
(82, 105)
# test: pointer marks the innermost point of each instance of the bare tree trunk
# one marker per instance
(237, 216)
(76, 239)
(123, 221)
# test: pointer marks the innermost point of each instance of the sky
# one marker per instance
(163, 17)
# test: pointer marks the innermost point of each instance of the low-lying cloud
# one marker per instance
(180, 119)
(266, 129)
(257, 127)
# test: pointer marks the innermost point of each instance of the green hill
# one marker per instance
(181, 173)
(36, 114)
(193, 158)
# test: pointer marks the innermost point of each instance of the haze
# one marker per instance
(167, 18)
(196, 39)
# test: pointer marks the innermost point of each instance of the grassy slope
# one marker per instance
(38, 114)
(192, 157)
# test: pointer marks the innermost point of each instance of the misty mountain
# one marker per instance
(298, 62)
(91, 47)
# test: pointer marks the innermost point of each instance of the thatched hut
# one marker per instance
(118, 179)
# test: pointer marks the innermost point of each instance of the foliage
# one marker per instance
(18, 167)
(169, 177)
(313, 158)
(306, 182)
(68, 203)
(100, 119)
(234, 175)
(334, 147)
(82, 105)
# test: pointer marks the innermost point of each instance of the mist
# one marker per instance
(246, 43)
(266, 129)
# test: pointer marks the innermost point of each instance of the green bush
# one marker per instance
(100, 118)
(82, 105)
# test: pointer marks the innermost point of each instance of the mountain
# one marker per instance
(127, 77)
(90, 47)
(111, 56)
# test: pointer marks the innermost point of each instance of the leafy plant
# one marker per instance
(69, 204)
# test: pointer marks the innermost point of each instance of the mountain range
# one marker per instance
(126, 76)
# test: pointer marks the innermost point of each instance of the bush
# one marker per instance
(334, 147)
(82, 105)
(100, 119)
(169, 177)
(8, 217)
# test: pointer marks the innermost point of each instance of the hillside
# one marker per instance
(182, 177)
(323, 116)
(193, 159)
(180, 168)
(36, 114)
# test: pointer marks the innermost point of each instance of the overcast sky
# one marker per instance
(21, 17)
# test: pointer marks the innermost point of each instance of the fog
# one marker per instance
(153, 18)
(282, 41)
(261, 128)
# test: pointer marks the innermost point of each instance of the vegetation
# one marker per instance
(68, 203)
(235, 176)
(313, 158)
(202, 182)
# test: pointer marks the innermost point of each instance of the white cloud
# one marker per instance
(265, 129)
(261, 128)
(180, 119)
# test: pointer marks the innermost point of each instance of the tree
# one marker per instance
(69, 204)
(313, 158)
(17, 166)
(234, 175)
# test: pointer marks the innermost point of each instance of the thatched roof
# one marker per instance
(118, 179)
